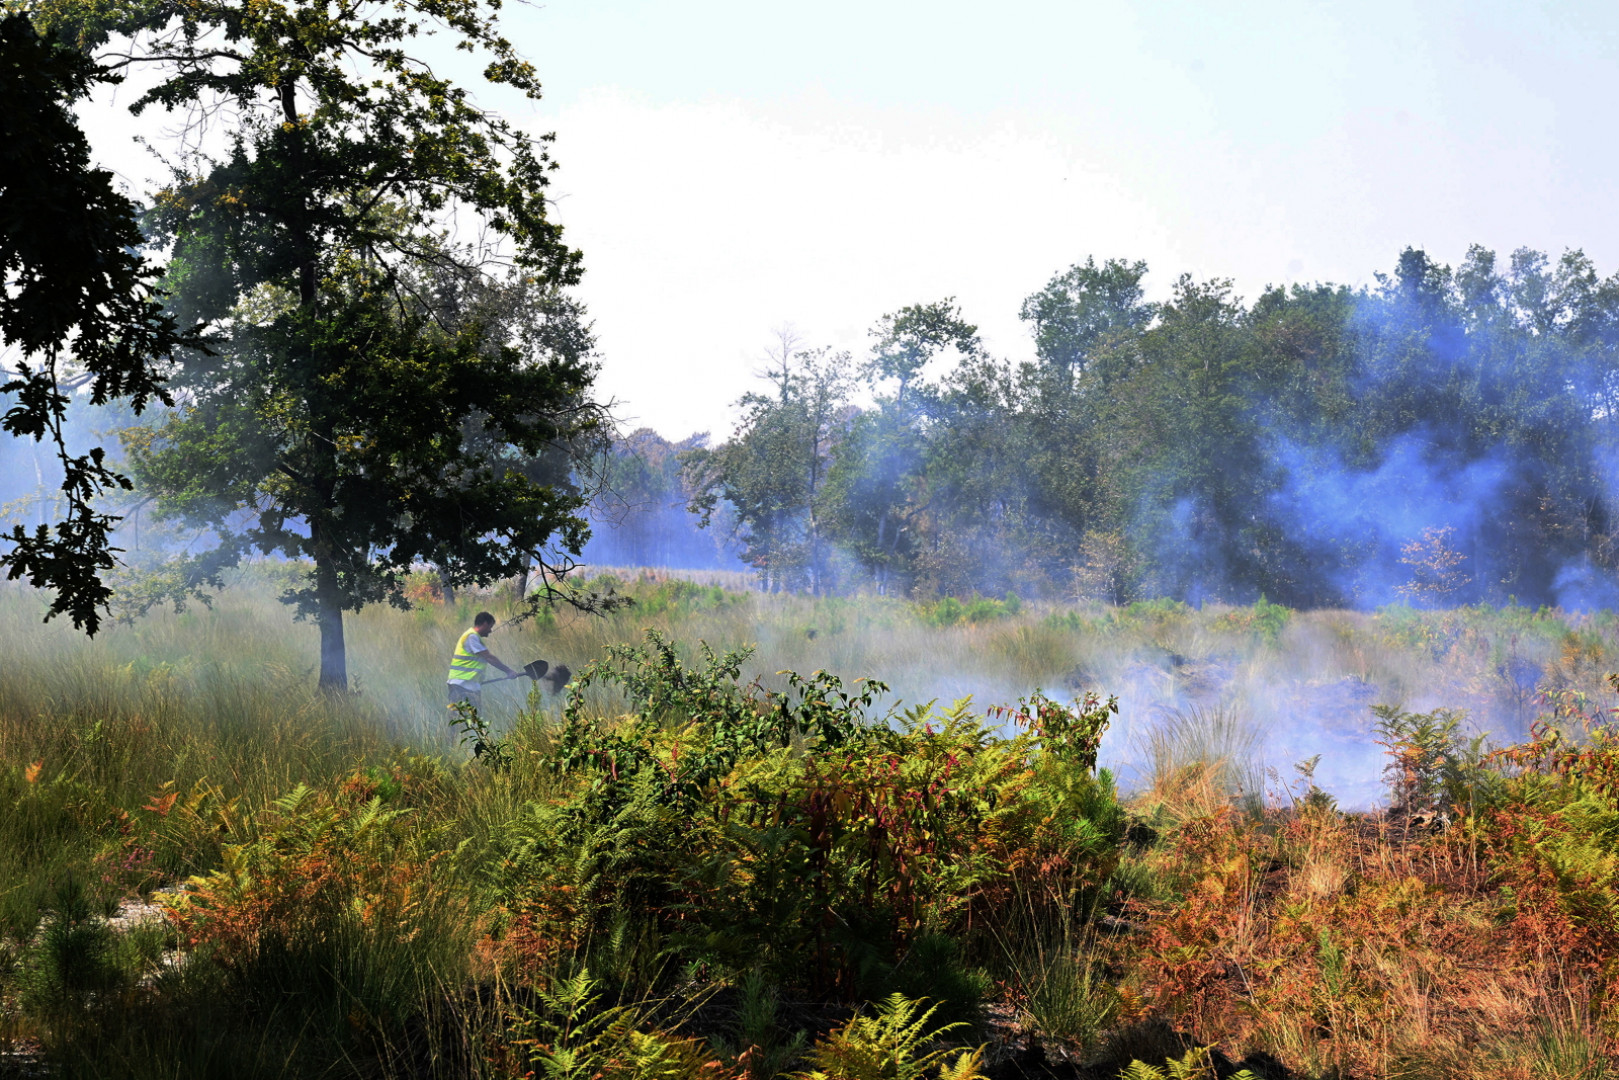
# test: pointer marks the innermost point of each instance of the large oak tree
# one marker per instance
(369, 402)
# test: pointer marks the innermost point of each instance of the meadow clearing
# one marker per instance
(1302, 846)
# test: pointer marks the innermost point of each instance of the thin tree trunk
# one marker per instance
(39, 485)
(809, 506)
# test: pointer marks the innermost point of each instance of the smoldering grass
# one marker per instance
(248, 660)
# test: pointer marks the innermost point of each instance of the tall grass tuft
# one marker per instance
(1202, 758)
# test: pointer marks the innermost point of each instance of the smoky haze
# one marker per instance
(1441, 439)
(1445, 438)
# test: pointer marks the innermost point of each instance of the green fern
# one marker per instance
(662, 1057)
(1140, 1070)
(1196, 1064)
(967, 1066)
(571, 1037)
(889, 1046)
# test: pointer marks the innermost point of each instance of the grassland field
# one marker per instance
(1286, 685)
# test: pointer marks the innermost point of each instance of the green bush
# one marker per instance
(1269, 620)
(71, 964)
(935, 966)
(1432, 769)
(794, 833)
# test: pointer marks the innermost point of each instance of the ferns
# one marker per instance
(890, 1045)
(786, 831)
(570, 1037)
(1195, 1064)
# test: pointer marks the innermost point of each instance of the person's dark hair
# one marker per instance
(483, 618)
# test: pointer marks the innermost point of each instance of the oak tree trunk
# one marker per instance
(334, 664)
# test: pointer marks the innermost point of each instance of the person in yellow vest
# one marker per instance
(472, 657)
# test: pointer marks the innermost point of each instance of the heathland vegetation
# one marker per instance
(694, 864)
(1220, 691)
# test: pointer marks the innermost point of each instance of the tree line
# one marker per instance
(1447, 433)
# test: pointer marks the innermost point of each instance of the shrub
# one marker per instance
(1072, 735)
(760, 1047)
(70, 964)
(1265, 620)
(1431, 770)
(1158, 608)
(949, 611)
(935, 966)
(654, 594)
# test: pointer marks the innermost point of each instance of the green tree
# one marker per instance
(346, 418)
(1082, 308)
(773, 471)
(76, 300)
(643, 500)
(877, 494)
(1185, 454)
(1088, 325)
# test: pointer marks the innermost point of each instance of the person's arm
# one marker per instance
(481, 651)
(495, 660)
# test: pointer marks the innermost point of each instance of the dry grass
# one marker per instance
(1187, 680)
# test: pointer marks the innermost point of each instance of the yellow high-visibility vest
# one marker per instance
(465, 665)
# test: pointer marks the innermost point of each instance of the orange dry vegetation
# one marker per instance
(1358, 946)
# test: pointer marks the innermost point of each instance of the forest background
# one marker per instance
(1444, 437)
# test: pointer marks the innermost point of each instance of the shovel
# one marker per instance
(558, 677)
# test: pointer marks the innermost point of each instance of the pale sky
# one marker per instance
(728, 168)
